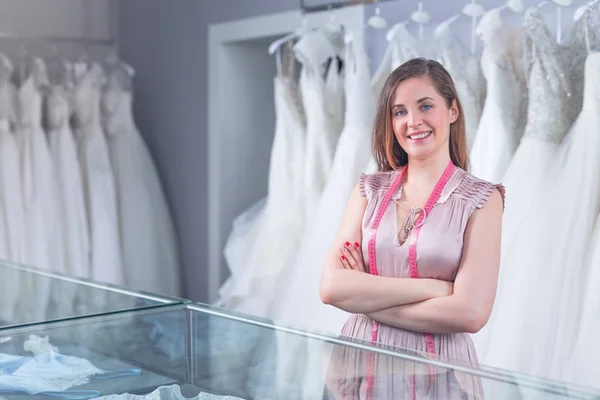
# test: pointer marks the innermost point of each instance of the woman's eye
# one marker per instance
(426, 107)
(400, 113)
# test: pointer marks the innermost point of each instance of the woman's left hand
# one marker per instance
(352, 258)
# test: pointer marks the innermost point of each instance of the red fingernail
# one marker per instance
(343, 257)
(348, 244)
(356, 244)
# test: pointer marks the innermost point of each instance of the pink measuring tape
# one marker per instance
(412, 260)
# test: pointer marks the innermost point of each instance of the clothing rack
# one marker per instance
(335, 5)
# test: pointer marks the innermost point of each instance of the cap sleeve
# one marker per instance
(477, 191)
(361, 185)
(487, 192)
(370, 184)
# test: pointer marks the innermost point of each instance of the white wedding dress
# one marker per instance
(578, 306)
(526, 276)
(298, 302)
(466, 80)
(254, 260)
(12, 235)
(63, 149)
(502, 119)
(43, 236)
(11, 192)
(322, 99)
(402, 46)
(69, 188)
(148, 241)
(98, 177)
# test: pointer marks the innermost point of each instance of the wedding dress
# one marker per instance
(254, 261)
(402, 46)
(555, 99)
(323, 122)
(43, 243)
(12, 235)
(298, 302)
(37, 171)
(98, 177)
(501, 123)
(577, 319)
(148, 242)
(465, 79)
(74, 228)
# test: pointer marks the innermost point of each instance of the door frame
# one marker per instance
(219, 36)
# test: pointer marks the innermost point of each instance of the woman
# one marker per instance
(422, 216)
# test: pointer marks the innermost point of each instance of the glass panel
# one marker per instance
(209, 350)
(135, 352)
(33, 296)
(251, 358)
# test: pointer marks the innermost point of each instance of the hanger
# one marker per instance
(120, 73)
(559, 6)
(585, 11)
(582, 9)
(275, 47)
(333, 25)
(471, 9)
(23, 57)
(376, 20)
(514, 5)
(421, 17)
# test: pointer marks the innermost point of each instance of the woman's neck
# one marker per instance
(426, 172)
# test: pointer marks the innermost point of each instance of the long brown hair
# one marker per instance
(387, 150)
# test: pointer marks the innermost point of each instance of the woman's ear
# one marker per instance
(454, 113)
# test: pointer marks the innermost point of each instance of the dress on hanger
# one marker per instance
(448, 55)
(74, 227)
(12, 235)
(43, 244)
(572, 292)
(323, 122)
(402, 46)
(299, 303)
(98, 178)
(148, 240)
(502, 119)
(69, 182)
(460, 194)
(251, 287)
(555, 99)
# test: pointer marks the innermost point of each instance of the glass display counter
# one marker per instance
(32, 296)
(193, 350)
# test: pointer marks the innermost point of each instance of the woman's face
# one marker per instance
(421, 119)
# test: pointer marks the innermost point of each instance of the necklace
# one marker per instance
(410, 221)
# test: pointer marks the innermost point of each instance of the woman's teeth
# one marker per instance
(420, 135)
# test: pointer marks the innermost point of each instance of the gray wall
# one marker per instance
(166, 42)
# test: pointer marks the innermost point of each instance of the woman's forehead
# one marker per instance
(414, 89)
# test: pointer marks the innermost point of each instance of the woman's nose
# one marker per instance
(414, 120)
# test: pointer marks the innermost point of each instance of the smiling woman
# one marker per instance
(429, 297)
(422, 100)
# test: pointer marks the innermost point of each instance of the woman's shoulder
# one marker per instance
(468, 187)
(376, 182)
